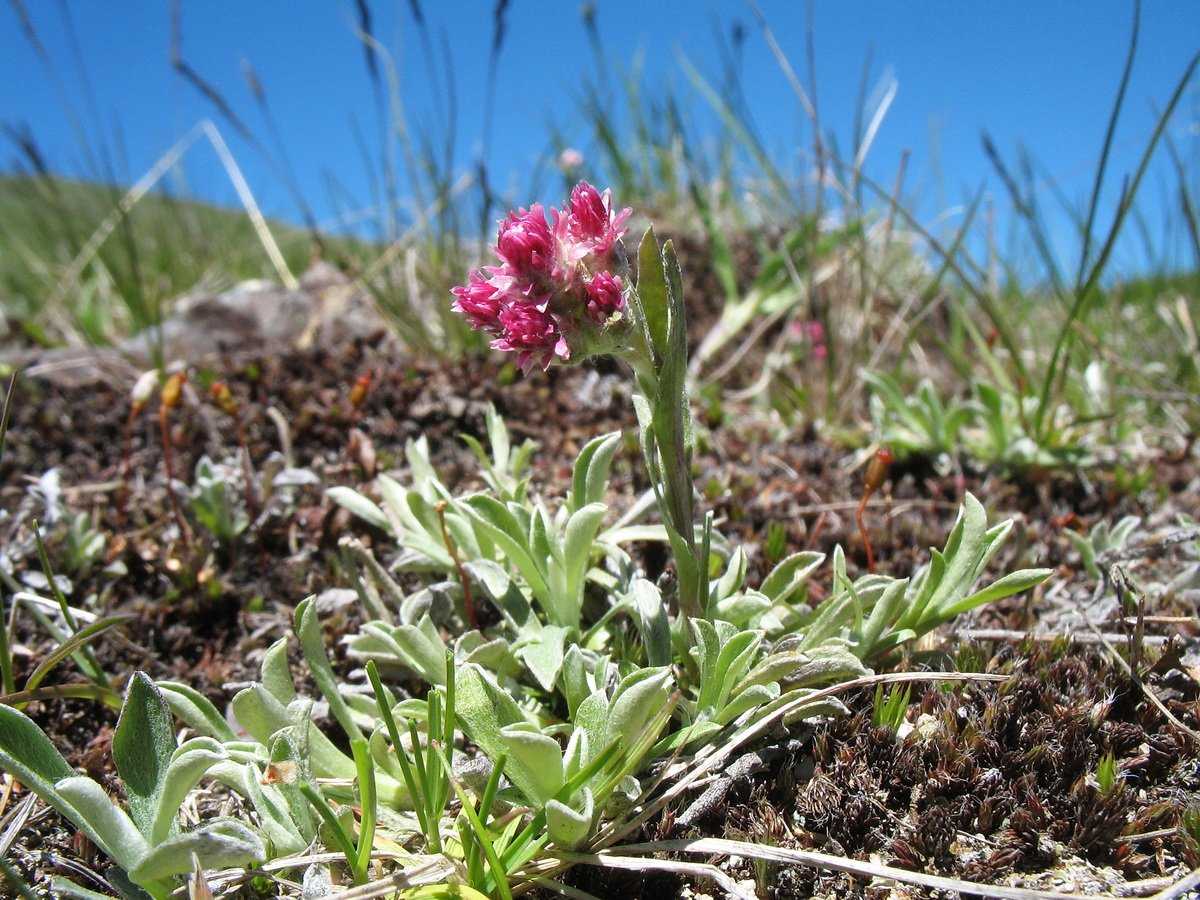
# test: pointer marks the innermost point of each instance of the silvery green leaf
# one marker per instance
(106, 823)
(27, 754)
(503, 592)
(568, 827)
(416, 452)
(184, 773)
(142, 744)
(543, 654)
(742, 609)
(259, 713)
(823, 665)
(737, 655)
(414, 523)
(652, 292)
(706, 646)
(539, 755)
(751, 698)
(882, 615)
(689, 735)
(217, 845)
(1012, 583)
(826, 708)
(592, 716)
(276, 676)
(495, 655)
(499, 524)
(576, 755)
(652, 622)
(773, 667)
(574, 678)
(589, 481)
(312, 643)
(834, 615)
(326, 759)
(790, 575)
(421, 648)
(483, 708)
(274, 816)
(578, 537)
(195, 710)
(1087, 553)
(360, 506)
(732, 579)
(637, 700)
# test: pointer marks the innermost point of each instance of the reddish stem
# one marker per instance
(876, 473)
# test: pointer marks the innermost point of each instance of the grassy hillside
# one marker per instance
(161, 249)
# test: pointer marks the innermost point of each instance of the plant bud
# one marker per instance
(143, 389)
(877, 469)
(358, 393)
(172, 391)
(223, 397)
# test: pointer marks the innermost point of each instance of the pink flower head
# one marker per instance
(532, 333)
(604, 296)
(480, 301)
(553, 296)
(525, 243)
(591, 221)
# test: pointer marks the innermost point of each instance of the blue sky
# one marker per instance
(1038, 73)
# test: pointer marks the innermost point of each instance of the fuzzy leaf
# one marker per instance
(359, 506)
(142, 744)
(538, 754)
(195, 710)
(790, 574)
(483, 708)
(543, 655)
(276, 676)
(652, 291)
(189, 765)
(639, 697)
(652, 622)
(119, 837)
(590, 476)
(308, 630)
(27, 754)
(217, 845)
(569, 827)
(1012, 583)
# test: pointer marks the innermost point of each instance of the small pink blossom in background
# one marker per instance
(554, 284)
(813, 332)
(604, 296)
(570, 159)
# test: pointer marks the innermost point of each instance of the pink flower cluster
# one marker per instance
(553, 280)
